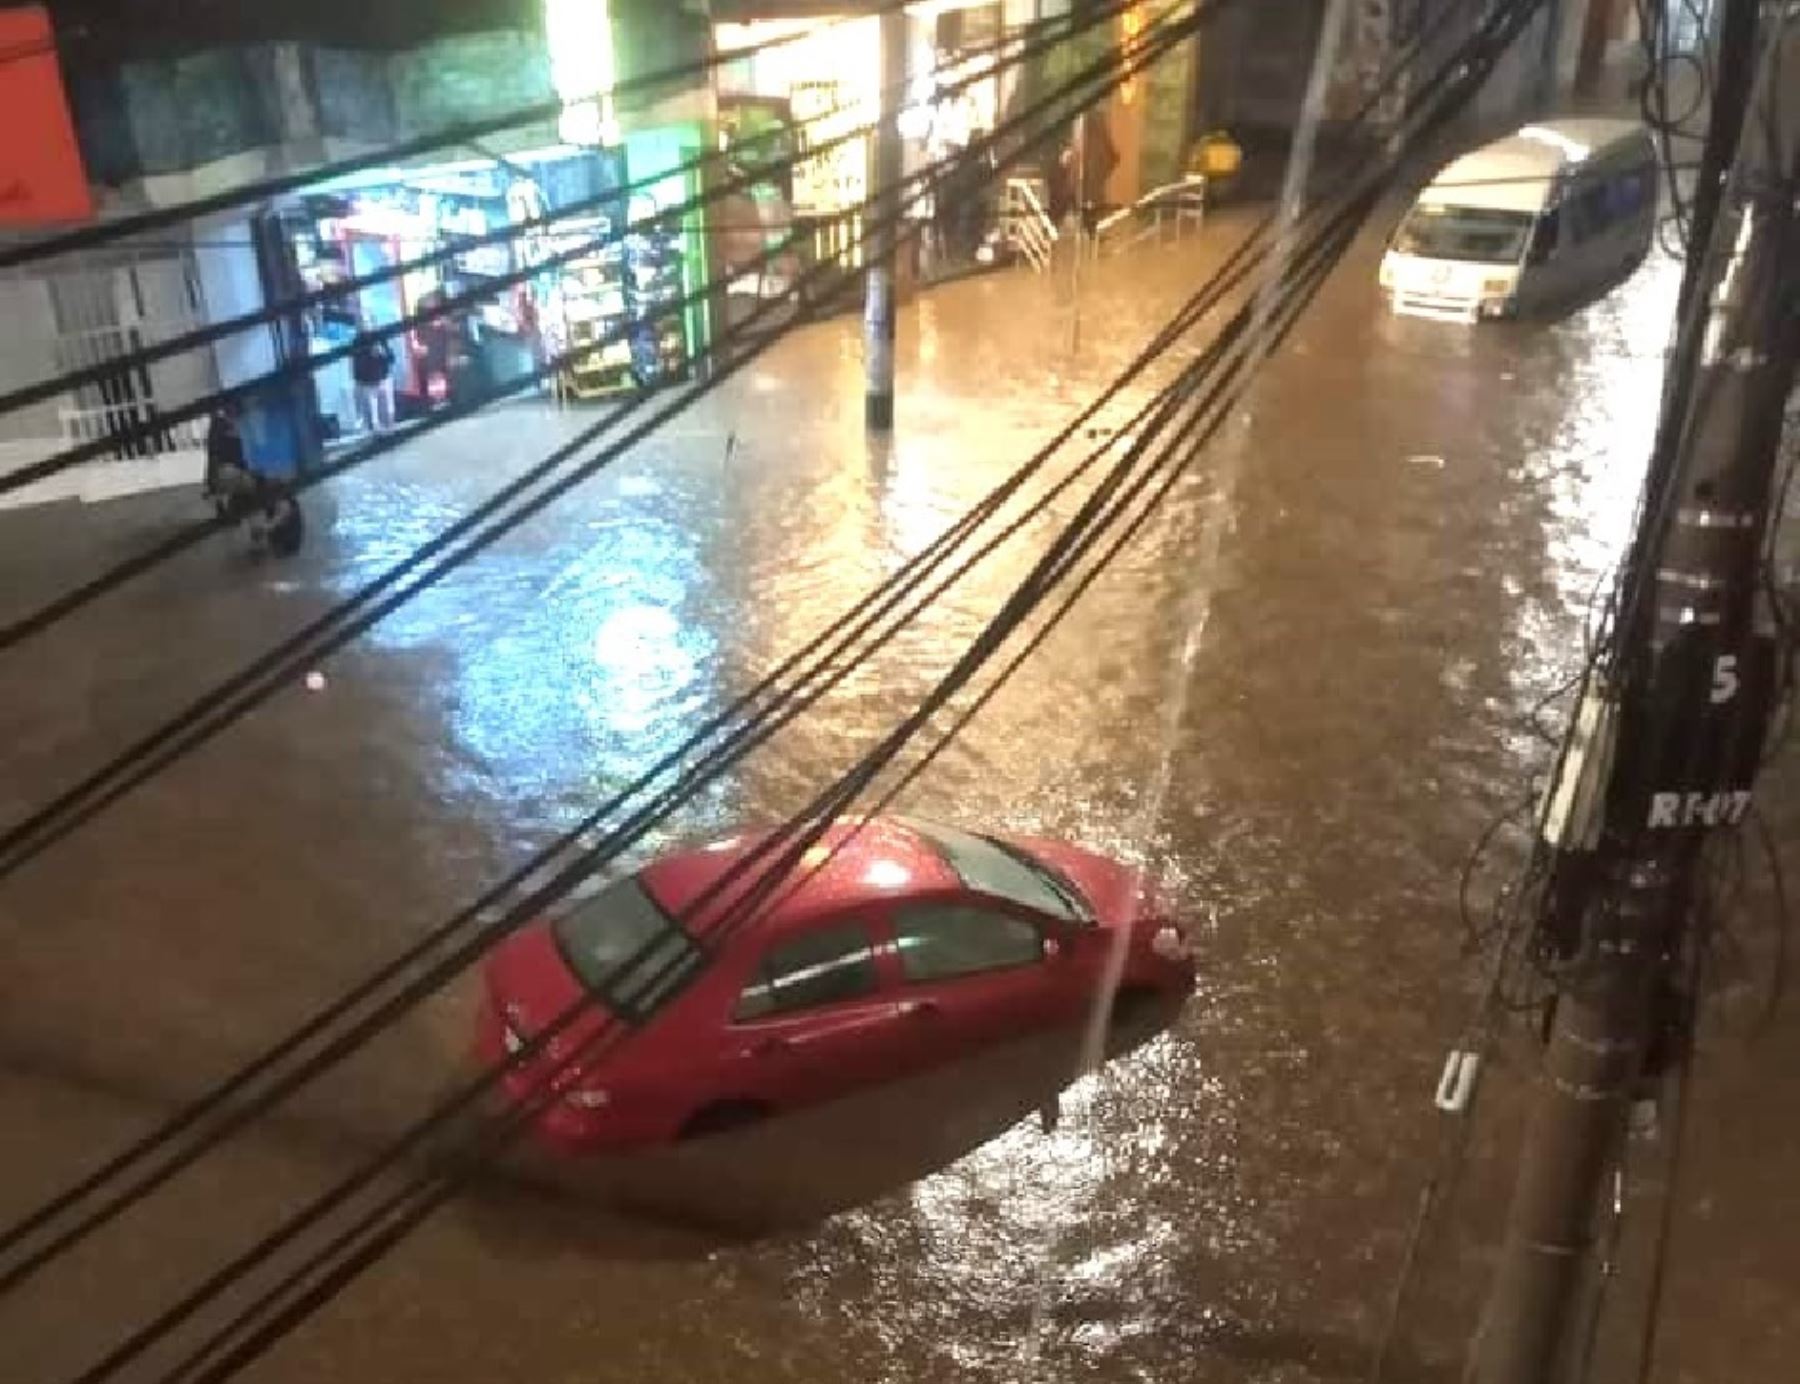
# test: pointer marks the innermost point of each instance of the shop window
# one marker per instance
(824, 967)
(941, 941)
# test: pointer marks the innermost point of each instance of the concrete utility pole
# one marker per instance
(878, 307)
(1666, 746)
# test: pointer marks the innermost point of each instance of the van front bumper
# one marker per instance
(1442, 309)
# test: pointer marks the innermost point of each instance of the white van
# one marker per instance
(1541, 217)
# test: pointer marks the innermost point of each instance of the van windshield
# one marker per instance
(1477, 234)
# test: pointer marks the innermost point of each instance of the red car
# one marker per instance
(899, 946)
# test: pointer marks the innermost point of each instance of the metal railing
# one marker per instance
(1028, 226)
(115, 420)
(1179, 204)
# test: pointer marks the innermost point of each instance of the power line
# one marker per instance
(238, 1111)
(251, 194)
(156, 424)
(1053, 566)
(1045, 30)
(567, 879)
(129, 568)
(403, 1210)
(1237, 264)
(265, 676)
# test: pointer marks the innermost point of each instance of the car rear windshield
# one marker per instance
(1477, 234)
(624, 947)
(994, 867)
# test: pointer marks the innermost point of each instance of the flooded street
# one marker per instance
(1414, 519)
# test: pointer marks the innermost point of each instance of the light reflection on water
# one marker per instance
(564, 672)
(1591, 467)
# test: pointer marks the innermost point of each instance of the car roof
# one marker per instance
(1515, 173)
(854, 862)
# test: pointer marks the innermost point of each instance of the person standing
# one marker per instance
(372, 367)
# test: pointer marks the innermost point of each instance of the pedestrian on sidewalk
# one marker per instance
(240, 494)
(372, 367)
(228, 474)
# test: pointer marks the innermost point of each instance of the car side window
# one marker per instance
(941, 941)
(823, 967)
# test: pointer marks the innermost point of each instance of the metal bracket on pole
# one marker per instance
(1457, 1085)
(1574, 807)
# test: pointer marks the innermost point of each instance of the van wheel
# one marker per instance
(721, 1117)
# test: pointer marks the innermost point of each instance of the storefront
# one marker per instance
(826, 85)
(611, 270)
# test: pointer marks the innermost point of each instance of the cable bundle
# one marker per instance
(1174, 425)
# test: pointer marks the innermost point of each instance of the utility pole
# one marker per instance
(878, 306)
(1666, 744)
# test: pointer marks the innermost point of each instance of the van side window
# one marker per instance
(1633, 192)
(1591, 211)
(1616, 199)
(1543, 237)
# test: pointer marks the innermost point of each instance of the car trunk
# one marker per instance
(532, 988)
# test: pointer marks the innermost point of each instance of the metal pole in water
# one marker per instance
(878, 305)
(1081, 242)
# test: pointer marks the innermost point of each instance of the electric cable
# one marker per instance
(1664, 58)
(411, 1204)
(1686, 389)
(193, 1113)
(229, 1090)
(25, 839)
(824, 811)
(156, 423)
(48, 614)
(1696, 925)
(1054, 29)
(898, 738)
(458, 135)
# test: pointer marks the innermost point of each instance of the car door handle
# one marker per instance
(765, 1047)
(921, 1009)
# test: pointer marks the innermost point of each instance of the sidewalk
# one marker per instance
(1015, 324)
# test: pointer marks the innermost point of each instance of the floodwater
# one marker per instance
(1408, 533)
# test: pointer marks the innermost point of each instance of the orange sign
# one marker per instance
(42, 179)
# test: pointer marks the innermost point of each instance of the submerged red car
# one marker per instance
(899, 945)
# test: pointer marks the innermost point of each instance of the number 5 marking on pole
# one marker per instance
(1725, 678)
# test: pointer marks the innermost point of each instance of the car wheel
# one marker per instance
(1134, 1013)
(1132, 1003)
(721, 1117)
